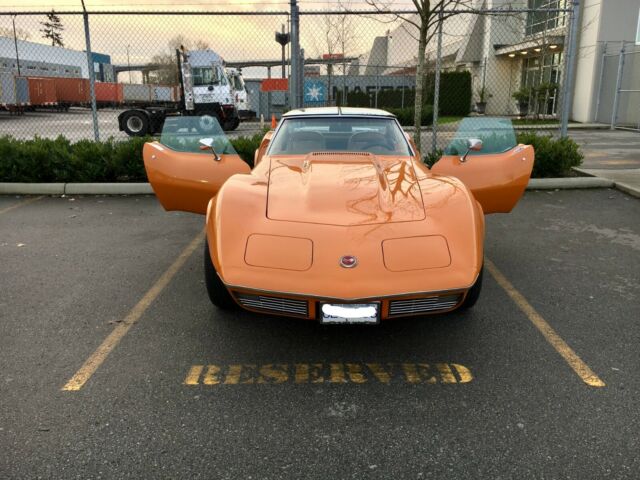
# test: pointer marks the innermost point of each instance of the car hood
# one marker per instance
(336, 188)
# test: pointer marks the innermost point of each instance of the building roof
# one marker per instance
(302, 112)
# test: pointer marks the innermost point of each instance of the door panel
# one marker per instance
(496, 180)
(185, 180)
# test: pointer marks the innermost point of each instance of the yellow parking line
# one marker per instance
(582, 369)
(24, 202)
(102, 352)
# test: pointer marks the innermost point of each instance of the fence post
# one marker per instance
(295, 55)
(92, 74)
(436, 87)
(567, 87)
(616, 97)
(599, 94)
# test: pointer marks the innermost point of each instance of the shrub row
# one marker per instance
(554, 156)
(455, 95)
(59, 160)
(405, 115)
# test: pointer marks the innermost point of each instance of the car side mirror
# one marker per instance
(473, 145)
(207, 144)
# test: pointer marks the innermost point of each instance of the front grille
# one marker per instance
(287, 306)
(423, 305)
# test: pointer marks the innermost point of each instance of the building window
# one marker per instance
(542, 75)
(541, 20)
(638, 30)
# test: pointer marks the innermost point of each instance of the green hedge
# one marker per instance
(405, 115)
(59, 160)
(455, 95)
(554, 156)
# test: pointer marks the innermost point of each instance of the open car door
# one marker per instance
(496, 169)
(184, 173)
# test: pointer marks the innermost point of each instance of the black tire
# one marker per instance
(136, 124)
(474, 292)
(218, 293)
(231, 125)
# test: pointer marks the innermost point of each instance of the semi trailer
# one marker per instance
(205, 91)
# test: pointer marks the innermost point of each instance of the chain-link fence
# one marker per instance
(618, 97)
(507, 62)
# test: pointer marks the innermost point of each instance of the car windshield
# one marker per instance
(497, 136)
(183, 134)
(299, 136)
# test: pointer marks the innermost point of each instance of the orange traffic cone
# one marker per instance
(274, 123)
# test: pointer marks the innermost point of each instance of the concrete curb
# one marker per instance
(569, 183)
(145, 188)
(632, 190)
(75, 189)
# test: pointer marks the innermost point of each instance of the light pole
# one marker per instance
(283, 39)
(129, 63)
(15, 42)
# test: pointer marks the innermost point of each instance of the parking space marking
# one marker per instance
(102, 352)
(328, 372)
(575, 362)
(24, 202)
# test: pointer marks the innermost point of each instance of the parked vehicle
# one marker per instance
(240, 94)
(340, 221)
(204, 91)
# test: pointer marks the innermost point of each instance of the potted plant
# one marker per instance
(522, 97)
(481, 104)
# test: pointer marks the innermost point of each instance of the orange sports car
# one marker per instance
(339, 220)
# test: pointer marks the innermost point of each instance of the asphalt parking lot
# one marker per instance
(539, 380)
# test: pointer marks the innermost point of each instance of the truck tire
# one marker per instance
(231, 125)
(136, 124)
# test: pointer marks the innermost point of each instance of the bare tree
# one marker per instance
(20, 33)
(429, 13)
(52, 29)
(338, 39)
(165, 63)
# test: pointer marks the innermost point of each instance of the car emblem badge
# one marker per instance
(348, 261)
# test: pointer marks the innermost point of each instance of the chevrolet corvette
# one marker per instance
(339, 220)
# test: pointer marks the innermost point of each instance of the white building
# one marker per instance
(506, 52)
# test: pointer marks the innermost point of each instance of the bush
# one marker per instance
(554, 157)
(59, 160)
(405, 115)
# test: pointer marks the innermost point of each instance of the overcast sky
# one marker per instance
(234, 37)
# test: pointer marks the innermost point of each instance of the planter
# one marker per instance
(523, 109)
(481, 107)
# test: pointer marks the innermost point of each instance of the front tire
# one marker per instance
(474, 292)
(218, 293)
(136, 124)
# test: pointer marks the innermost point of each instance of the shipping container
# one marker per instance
(162, 94)
(108, 94)
(72, 91)
(136, 93)
(42, 91)
(14, 91)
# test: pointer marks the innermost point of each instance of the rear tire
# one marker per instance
(136, 124)
(474, 292)
(218, 293)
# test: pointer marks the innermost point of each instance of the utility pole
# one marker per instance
(283, 39)
(294, 82)
(15, 42)
(129, 63)
(567, 90)
(92, 74)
